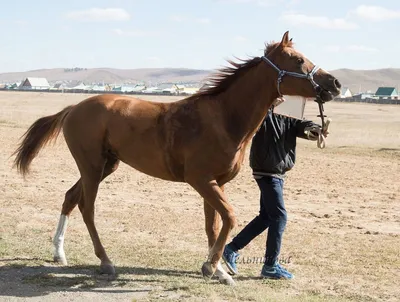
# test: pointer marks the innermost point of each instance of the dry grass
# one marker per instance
(342, 235)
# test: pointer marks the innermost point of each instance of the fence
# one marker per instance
(348, 100)
(369, 100)
(94, 91)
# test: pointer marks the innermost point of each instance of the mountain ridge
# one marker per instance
(355, 80)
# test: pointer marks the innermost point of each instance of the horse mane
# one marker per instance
(224, 77)
(274, 45)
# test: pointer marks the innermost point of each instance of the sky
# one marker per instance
(199, 34)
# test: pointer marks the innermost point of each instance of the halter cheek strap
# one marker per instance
(281, 73)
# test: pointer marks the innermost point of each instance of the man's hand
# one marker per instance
(325, 131)
(313, 132)
(278, 101)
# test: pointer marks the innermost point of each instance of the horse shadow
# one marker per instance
(389, 149)
(41, 280)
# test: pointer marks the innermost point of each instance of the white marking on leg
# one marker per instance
(58, 240)
(223, 276)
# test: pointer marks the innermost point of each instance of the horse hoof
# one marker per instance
(107, 269)
(60, 260)
(207, 270)
(227, 281)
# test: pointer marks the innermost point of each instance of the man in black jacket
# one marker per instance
(272, 154)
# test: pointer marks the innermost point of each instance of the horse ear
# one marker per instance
(285, 39)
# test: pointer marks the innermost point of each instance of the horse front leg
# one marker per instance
(215, 198)
(213, 226)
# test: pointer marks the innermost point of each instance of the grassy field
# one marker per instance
(342, 236)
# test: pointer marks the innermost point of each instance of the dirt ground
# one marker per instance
(342, 240)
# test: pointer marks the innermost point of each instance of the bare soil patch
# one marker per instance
(342, 236)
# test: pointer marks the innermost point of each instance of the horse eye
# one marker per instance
(300, 61)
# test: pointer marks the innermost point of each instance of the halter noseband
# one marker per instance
(281, 73)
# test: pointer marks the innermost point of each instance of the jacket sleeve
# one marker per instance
(301, 125)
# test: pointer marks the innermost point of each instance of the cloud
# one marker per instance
(318, 21)
(293, 2)
(361, 48)
(263, 3)
(179, 18)
(21, 22)
(153, 59)
(65, 28)
(376, 13)
(351, 48)
(133, 33)
(333, 48)
(100, 14)
(203, 20)
(240, 39)
(257, 2)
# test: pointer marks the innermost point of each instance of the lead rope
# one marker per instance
(318, 133)
(321, 142)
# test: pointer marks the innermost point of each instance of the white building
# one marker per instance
(345, 93)
(35, 84)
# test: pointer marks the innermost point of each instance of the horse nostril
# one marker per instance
(337, 84)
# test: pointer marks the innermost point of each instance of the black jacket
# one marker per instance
(273, 149)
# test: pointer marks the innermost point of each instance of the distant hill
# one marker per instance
(354, 79)
(111, 75)
(368, 79)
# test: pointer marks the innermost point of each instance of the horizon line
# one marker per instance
(187, 68)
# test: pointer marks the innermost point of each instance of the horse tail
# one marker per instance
(36, 137)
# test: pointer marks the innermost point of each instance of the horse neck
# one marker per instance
(247, 100)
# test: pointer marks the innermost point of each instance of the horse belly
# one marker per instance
(146, 160)
(139, 147)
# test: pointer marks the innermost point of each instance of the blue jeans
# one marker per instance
(272, 216)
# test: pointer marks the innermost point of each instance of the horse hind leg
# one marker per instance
(73, 197)
(92, 173)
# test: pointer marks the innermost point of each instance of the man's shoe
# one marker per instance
(275, 271)
(230, 257)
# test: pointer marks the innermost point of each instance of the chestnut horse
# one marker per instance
(200, 140)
